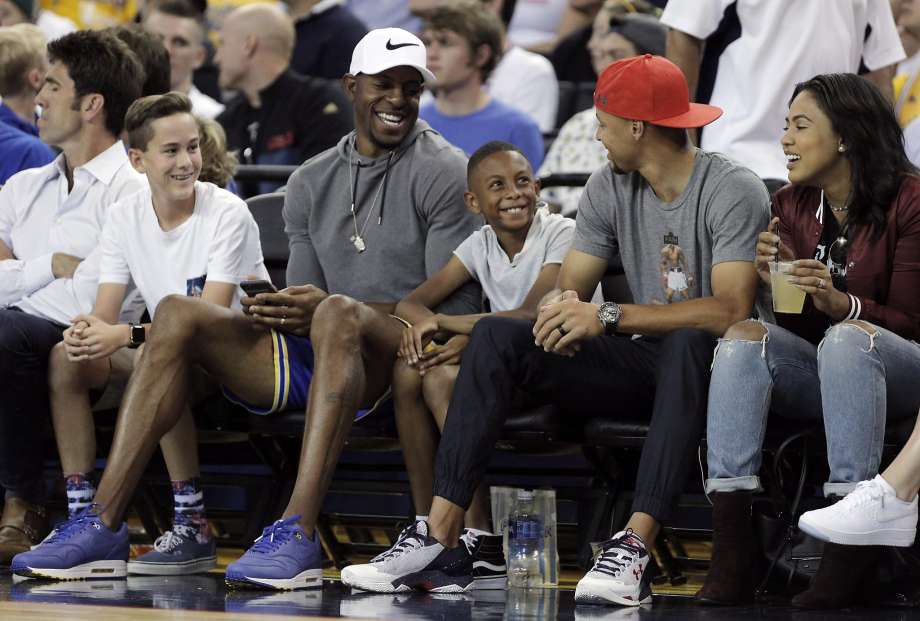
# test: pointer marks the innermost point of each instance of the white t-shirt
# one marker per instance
(535, 21)
(219, 242)
(779, 46)
(203, 105)
(504, 282)
(527, 81)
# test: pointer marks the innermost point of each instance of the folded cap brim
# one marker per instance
(697, 116)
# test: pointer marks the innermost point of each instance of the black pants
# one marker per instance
(666, 378)
(25, 344)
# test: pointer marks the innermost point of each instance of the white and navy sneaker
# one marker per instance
(415, 562)
(870, 515)
(618, 575)
(490, 572)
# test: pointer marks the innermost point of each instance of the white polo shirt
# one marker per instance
(777, 45)
(203, 105)
(219, 242)
(39, 217)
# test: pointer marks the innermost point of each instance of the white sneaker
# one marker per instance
(872, 514)
(416, 561)
(618, 573)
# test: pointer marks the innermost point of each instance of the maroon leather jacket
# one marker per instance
(883, 273)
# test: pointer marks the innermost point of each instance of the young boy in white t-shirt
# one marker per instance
(180, 236)
(515, 257)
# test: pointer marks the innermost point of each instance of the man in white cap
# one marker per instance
(368, 221)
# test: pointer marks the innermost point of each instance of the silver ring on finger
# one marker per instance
(562, 331)
(821, 283)
(283, 319)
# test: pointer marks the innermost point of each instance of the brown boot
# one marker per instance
(22, 526)
(841, 578)
(730, 580)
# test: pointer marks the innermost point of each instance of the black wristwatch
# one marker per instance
(608, 314)
(137, 336)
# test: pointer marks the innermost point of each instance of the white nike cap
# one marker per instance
(386, 48)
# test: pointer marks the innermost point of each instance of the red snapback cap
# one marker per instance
(650, 88)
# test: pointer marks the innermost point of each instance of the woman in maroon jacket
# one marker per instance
(850, 221)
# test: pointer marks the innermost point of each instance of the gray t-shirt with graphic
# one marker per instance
(668, 249)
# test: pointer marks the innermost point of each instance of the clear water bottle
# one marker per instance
(525, 543)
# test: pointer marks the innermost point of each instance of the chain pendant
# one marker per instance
(358, 242)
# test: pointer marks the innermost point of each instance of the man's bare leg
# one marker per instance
(645, 526)
(354, 350)
(904, 472)
(186, 331)
(418, 434)
(438, 387)
(445, 521)
(180, 448)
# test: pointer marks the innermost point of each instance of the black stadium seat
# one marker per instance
(266, 209)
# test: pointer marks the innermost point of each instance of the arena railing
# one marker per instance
(280, 174)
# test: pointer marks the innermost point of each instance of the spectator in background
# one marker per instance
(280, 117)
(756, 52)
(51, 24)
(571, 58)
(326, 33)
(50, 219)
(23, 62)
(464, 42)
(576, 148)
(19, 151)
(522, 79)
(152, 54)
(385, 14)
(180, 26)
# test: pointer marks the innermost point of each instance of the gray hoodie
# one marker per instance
(415, 219)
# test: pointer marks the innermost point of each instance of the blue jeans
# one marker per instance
(854, 378)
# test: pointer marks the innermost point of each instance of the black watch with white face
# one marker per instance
(137, 336)
(608, 314)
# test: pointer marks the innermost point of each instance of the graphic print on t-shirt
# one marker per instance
(676, 278)
(195, 286)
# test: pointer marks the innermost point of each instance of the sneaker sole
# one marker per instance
(308, 579)
(598, 594)
(195, 566)
(436, 582)
(87, 571)
(895, 537)
(492, 583)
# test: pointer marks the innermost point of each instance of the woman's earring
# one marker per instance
(841, 148)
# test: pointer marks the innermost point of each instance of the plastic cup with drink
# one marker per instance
(787, 298)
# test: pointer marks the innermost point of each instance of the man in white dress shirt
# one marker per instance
(50, 220)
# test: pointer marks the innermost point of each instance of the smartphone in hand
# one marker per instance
(254, 287)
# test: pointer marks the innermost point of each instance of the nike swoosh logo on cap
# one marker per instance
(390, 45)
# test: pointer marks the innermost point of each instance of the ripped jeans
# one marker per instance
(857, 379)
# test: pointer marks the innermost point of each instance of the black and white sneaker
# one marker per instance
(490, 571)
(618, 576)
(415, 562)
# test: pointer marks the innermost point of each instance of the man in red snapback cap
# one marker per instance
(684, 223)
